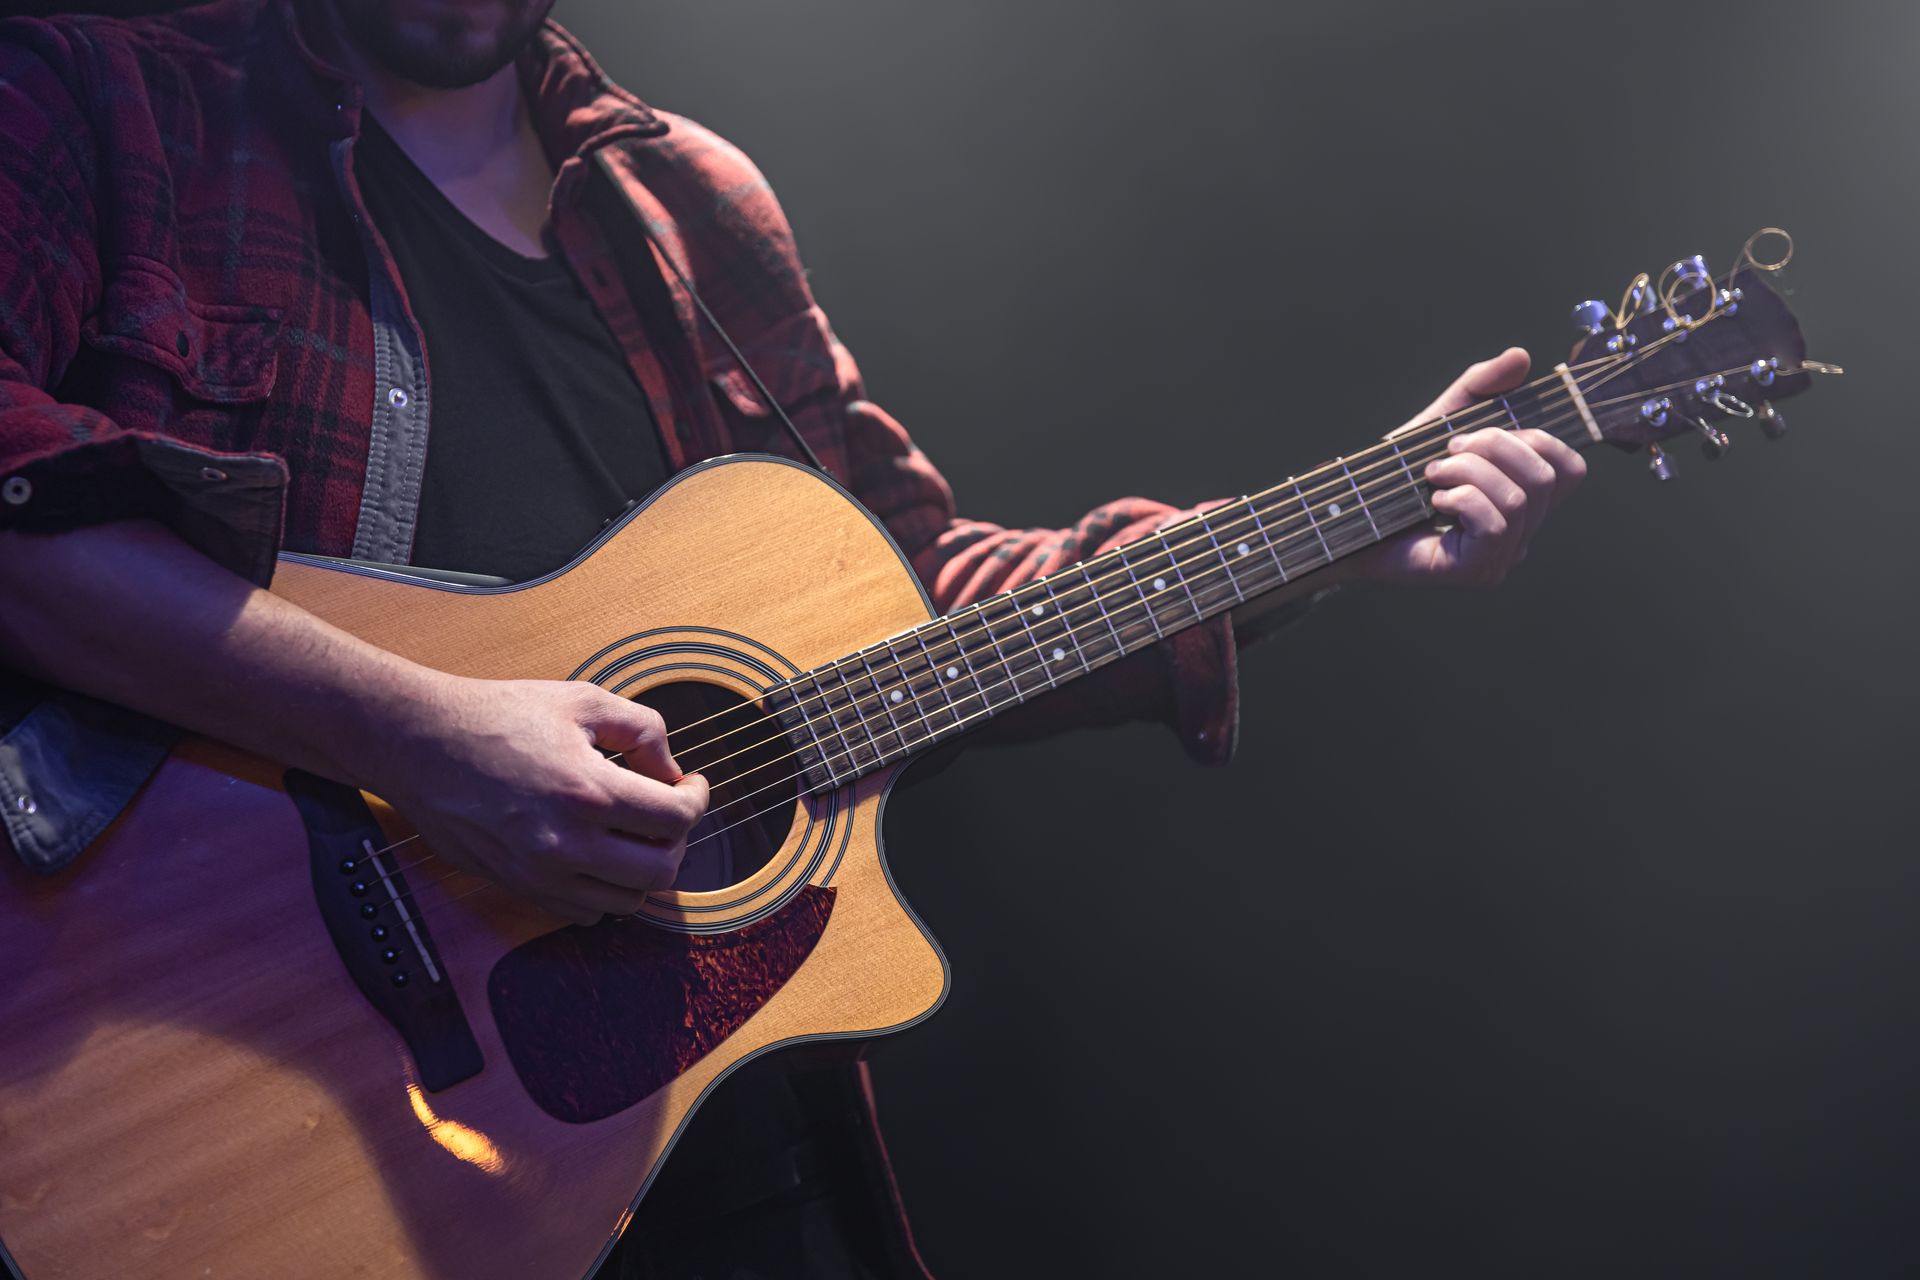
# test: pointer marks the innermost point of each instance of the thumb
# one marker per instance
(695, 786)
(634, 730)
(1487, 378)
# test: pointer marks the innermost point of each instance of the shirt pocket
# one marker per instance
(158, 343)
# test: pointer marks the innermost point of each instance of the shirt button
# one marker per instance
(212, 475)
(26, 804)
(16, 490)
(397, 398)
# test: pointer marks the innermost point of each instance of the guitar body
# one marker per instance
(192, 1083)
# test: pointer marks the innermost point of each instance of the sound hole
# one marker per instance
(752, 773)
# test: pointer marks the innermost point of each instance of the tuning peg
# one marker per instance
(1658, 464)
(1773, 423)
(1592, 316)
(1714, 442)
(1689, 275)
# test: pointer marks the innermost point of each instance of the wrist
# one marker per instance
(391, 723)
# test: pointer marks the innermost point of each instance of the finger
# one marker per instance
(1517, 461)
(631, 865)
(607, 899)
(1569, 467)
(1471, 470)
(564, 907)
(1503, 372)
(633, 729)
(652, 809)
(1476, 514)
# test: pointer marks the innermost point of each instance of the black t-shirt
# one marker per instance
(540, 433)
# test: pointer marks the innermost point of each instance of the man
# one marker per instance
(257, 254)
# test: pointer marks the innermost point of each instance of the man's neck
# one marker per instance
(476, 144)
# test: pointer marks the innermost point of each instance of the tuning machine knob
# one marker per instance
(1773, 423)
(1658, 464)
(1714, 442)
(1592, 317)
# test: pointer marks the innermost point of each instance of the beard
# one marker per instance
(442, 44)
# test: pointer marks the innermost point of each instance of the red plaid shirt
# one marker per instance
(189, 328)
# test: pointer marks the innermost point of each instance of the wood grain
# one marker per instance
(192, 1086)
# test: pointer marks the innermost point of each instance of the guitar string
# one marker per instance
(1120, 617)
(1620, 361)
(1294, 531)
(987, 709)
(1491, 417)
(897, 664)
(1035, 647)
(900, 665)
(1138, 598)
(909, 668)
(1334, 484)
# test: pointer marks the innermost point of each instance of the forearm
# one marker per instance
(128, 613)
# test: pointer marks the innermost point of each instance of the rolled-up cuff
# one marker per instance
(227, 506)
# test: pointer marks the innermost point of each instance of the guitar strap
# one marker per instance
(806, 450)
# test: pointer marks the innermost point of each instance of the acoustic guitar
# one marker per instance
(257, 1030)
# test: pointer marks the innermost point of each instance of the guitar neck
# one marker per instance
(894, 699)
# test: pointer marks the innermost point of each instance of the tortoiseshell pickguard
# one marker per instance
(595, 1019)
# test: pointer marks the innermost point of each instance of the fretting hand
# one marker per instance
(1495, 485)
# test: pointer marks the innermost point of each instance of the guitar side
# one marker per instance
(192, 1084)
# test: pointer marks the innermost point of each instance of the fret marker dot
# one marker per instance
(1039, 609)
(1333, 508)
(953, 673)
(897, 695)
(1242, 549)
(1159, 584)
(1059, 654)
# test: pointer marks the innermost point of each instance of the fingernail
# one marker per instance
(1455, 443)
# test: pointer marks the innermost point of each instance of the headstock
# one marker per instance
(1690, 354)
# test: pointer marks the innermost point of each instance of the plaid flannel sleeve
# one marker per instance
(64, 465)
(1188, 682)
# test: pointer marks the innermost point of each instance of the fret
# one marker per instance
(1054, 614)
(1225, 563)
(860, 715)
(1007, 663)
(1265, 537)
(1094, 592)
(833, 718)
(1173, 567)
(1447, 422)
(1047, 660)
(986, 704)
(1145, 602)
(886, 700)
(1571, 427)
(1310, 520)
(1512, 417)
(1412, 483)
(822, 761)
(1018, 647)
(934, 670)
(1040, 655)
(1361, 498)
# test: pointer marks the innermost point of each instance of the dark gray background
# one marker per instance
(1563, 929)
(1566, 929)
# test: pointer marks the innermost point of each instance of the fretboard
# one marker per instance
(892, 700)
